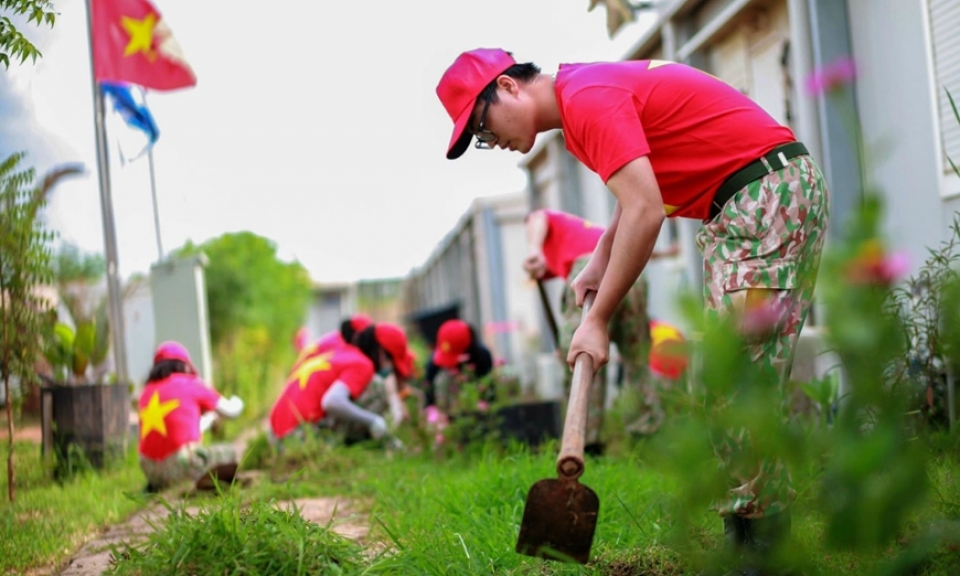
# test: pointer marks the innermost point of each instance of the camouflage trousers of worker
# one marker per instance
(190, 463)
(372, 399)
(630, 331)
(768, 237)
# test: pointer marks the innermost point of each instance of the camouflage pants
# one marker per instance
(189, 463)
(373, 399)
(769, 236)
(630, 331)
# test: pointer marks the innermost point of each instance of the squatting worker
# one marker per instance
(336, 381)
(669, 140)
(171, 409)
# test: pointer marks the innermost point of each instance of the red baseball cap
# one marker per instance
(453, 339)
(392, 338)
(171, 350)
(359, 322)
(460, 85)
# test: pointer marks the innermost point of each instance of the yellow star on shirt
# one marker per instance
(317, 364)
(141, 35)
(152, 417)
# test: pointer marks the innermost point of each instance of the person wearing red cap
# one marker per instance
(458, 357)
(559, 245)
(171, 407)
(335, 381)
(670, 140)
(388, 389)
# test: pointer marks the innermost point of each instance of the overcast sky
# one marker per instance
(314, 123)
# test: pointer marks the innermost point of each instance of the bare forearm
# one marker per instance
(629, 254)
(636, 225)
(536, 231)
(604, 246)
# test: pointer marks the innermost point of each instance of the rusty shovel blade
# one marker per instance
(559, 520)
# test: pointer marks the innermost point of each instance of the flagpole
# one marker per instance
(156, 211)
(153, 190)
(114, 295)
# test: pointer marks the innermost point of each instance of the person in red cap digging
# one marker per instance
(559, 245)
(670, 140)
(171, 406)
(458, 357)
(336, 382)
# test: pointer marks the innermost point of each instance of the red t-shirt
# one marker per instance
(568, 238)
(169, 412)
(306, 386)
(696, 130)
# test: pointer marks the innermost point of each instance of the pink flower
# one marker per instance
(831, 76)
(764, 319)
(482, 406)
(895, 266)
(873, 265)
(439, 438)
(433, 414)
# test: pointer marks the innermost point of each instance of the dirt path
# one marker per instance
(94, 558)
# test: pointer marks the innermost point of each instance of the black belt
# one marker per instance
(772, 161)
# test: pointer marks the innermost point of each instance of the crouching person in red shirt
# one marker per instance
(170, 409)
(333, 381)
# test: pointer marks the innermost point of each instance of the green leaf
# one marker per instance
(64, 335)
(956, 114)
(83, 346)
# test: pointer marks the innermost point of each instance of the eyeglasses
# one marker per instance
(485, 138)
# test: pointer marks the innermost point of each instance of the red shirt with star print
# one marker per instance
(308, 383)
(169, 413)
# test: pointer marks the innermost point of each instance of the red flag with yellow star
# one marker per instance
(132, 43)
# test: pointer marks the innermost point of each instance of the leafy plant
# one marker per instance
(919, 302)
(77, 348)
(24, 267)
(73, 354)
(12, 42)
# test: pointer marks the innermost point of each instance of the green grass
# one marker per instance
(461, 515)
(229, 539)
(49, 521)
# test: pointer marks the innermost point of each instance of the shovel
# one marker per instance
(548, 312)
(560, 515)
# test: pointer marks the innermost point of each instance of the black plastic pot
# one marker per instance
(91, 419)
(531, 422)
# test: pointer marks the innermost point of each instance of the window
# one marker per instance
(944, 23)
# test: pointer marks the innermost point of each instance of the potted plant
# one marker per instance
(89, 412)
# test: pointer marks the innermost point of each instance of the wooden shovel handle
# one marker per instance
(570, 461)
